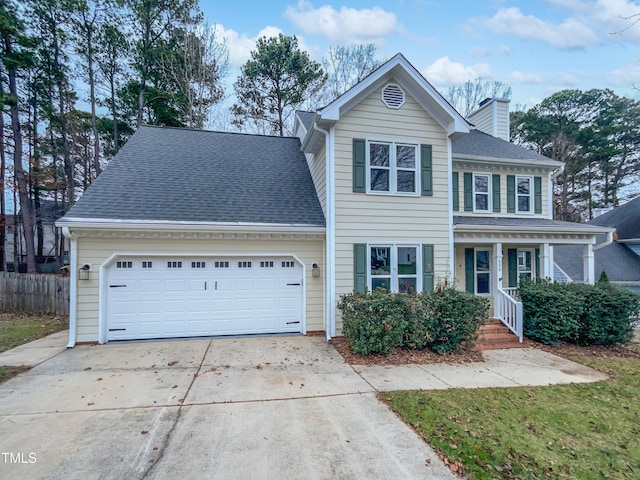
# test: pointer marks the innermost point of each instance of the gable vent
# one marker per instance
(393, 96)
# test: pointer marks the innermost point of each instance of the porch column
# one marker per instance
(497, 266)
(552, 270)
(588, 267)
(545, 258)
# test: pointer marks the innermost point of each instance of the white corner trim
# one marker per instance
(452, 260)
(73, 286)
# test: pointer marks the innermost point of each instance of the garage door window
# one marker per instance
(288, 264)
(244, 264)
(198, 264)
(174, 264)
(220, 264)
(124, 265)
(266, 264)
(146, 264)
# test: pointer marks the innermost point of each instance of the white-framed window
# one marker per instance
(525, 265)
(392, 168)
(481, 192)
(395, 268)
(524, 194)
(482, 271)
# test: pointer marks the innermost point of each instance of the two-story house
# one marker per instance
(191, 233)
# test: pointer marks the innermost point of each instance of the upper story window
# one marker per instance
(481, 192)
(392, 167)
(523, 194)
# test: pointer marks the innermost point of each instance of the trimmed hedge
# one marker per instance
(380, 321)
(600, 314)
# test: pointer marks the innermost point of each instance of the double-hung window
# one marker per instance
(524, 192)
(525, 265)
(481, 192)
(394, 267)
(392, 167)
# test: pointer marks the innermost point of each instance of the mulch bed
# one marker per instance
(403, 357)
(563, 349)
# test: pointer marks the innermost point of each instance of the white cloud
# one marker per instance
(624, 77)
(506, 50)
(443, 72)
(570, 34)
(346, 25)
(527, 78)
(481, 52)
(616, 17)
(240, 45)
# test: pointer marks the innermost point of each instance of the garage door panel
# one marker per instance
(203, 297)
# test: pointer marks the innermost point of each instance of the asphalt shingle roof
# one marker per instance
(620, 263)
(625, 219)
(517, 222)
(174, 174)
(480, 144)
(306, 118)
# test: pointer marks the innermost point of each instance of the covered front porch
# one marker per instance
(493, 255)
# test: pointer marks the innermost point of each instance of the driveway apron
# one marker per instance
(236, 408)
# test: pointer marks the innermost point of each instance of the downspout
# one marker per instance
(606, 243)
(330, 238)
(73, 282)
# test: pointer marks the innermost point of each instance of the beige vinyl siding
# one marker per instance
(483, 121)
(503, 193)
(96, 250)
(317, 167)
(502, 127)
(369, 218)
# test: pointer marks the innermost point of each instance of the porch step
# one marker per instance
(494, 334)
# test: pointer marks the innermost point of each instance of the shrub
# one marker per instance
(380, 321)
(374, 322)
(455, 318)
(600, 314)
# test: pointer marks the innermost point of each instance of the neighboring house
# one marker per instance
(50, 212)
(620, 259)
(191, 233)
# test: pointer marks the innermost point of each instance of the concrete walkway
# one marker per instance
(273, 407)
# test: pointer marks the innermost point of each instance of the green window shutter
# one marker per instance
(469, 280)
(511, 193)
(468, 192)
(512, 265)
(537, 263)
(427, 268)
(359, 165)
(359, 267)
(537, 194)
(426, 169)
(495, 189)
(455, 191)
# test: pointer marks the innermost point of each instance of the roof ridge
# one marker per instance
(199, 130)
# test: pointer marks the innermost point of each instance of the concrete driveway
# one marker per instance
(258, 408)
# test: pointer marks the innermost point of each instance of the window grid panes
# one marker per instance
(394, 268)
(525, 265)
(481, 193)
(393, 168)
(523, 194)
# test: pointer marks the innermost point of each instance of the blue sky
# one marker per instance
(538, 47)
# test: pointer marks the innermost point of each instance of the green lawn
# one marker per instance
(19, 328)
(586, 431)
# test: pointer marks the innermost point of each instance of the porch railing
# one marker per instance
(509, 311)
(512, 292)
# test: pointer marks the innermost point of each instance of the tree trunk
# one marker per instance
(23, 193)
(141, 101)
(92, 97)
(3, 214)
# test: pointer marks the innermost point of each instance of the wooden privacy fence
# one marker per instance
(28, 292)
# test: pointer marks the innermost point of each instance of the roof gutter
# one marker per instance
(558, 172)
(590, 230)
(73, 284)
(606, 243)
(330, 241)
(507, 161)
(163, 225)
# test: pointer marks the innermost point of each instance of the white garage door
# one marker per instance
(189, 297)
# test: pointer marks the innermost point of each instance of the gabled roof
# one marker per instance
(305, 118)
(620, 263)
(181, 175)
(477, 145)
(399, 69)
(625, 219)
